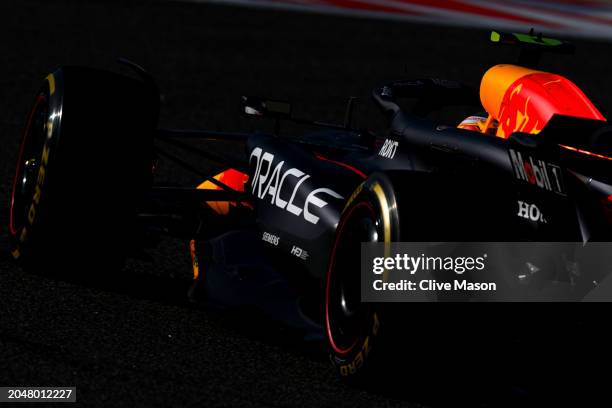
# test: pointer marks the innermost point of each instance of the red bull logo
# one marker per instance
(520, 112)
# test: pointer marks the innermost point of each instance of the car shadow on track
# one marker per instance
(540, 369)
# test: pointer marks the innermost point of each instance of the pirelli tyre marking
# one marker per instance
(42, 171)
(51, 80)
(384, 205)
(351, 365)
(354, 365)
(377, 188)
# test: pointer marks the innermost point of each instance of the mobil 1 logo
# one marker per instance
(537, 172)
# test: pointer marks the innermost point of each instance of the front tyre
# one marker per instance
(83, 166)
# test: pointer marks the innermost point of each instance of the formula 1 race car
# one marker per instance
(535, 166)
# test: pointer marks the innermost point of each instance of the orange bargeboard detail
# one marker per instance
(232, 178)
(524, 100)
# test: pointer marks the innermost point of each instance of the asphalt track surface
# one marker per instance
(138, 343)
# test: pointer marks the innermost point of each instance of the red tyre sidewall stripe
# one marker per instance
(332, 342)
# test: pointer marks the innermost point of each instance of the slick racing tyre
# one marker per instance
(355, 330)
(83, 165)
(370, 343)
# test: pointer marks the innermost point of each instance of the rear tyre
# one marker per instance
(396, 347)
(356, 331)
(369, 343)
(83, 166)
